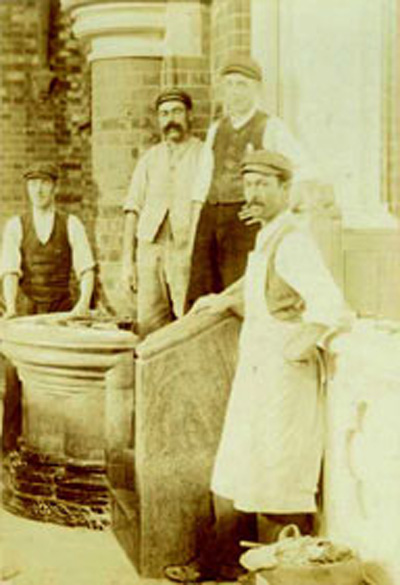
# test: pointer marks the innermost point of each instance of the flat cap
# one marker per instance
(244, 65)
(174, 94)
(267, 162)
(41, 169)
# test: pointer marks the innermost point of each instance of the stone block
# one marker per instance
(183, 378)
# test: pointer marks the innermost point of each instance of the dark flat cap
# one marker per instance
(242, 64)
(174, 94)
(267, 162)
(41, 169)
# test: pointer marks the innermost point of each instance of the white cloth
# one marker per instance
(271, 447)
(162, 184)
(82, 257)
(299, 262)
(277, 137)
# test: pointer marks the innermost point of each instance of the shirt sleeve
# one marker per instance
(11, 248)
(206, 167)
(82, 256)
(277, 137)
(299, 262)
(137, 188)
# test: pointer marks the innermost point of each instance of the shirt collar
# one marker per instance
(242, 120)
(175, 152)
(46, 215)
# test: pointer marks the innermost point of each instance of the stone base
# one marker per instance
(60, 492)
(160, 482)
(125, 523)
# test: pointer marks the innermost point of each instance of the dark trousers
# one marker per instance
(220, 250)
(220, 547)
(12, 400)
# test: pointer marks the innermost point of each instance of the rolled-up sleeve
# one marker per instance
(11, 248)
(278, 138)
(82, 256)
(299, 262)
(137, 188)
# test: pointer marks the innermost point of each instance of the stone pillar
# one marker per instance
(134, 48)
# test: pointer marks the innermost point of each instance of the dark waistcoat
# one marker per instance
(283, 301)
(229, 148)
(46, 268)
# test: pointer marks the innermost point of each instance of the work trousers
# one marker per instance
(163, 276)
(220, 250)
(220, 546)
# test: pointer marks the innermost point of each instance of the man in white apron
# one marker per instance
(269, 457)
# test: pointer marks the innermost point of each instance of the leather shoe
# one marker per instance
(192, 572)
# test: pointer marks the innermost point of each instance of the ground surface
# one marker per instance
(45, 554)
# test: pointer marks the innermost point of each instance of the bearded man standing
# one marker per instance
(160, 218)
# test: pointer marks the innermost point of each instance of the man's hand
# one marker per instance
(213, 304)
(129, 276)
(80, 310)
(9, 313)
(251, 214)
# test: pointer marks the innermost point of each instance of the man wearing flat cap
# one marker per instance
(159, 216)
(226, 230)
(269, 457)
(40, 249)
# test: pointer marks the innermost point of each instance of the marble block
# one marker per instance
(182, 383)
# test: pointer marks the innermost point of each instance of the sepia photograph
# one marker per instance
(200, 292)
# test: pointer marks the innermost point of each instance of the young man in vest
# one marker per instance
(226, 232)
(159, 218)
(269, 457)
(40, 249)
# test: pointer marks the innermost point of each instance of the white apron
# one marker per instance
(271, 447)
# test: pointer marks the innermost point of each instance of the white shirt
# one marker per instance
(276, 137)
(299, 263)
(82, 257)
(162, 183)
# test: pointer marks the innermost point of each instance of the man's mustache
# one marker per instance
(173, 126)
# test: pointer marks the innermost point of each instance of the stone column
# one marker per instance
(125, 47)
(134, 48)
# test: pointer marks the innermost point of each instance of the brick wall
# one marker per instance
(230, 33)
(20, 41)
(44, 94)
